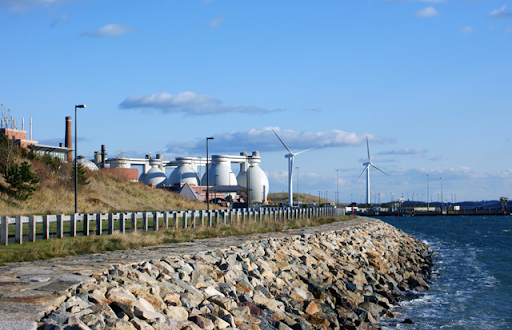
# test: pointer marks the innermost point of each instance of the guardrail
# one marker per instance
(21, 229)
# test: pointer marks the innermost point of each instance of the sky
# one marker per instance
(428, 82)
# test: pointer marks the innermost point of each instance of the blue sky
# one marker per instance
(429, 83)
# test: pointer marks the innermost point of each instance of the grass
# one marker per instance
(54, 248)
(106, 193)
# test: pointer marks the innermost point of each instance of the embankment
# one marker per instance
(319, 279)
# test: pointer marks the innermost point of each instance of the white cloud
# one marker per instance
(501, 13)
(185, 102)
(24, 6)
(427, 12)
(264, 139)
(467, 30)
(112, 30)
(216, 21)
(418, 152)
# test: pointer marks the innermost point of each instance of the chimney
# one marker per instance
(67, 140)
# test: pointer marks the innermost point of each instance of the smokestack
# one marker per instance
(67, 140)
(103, 154)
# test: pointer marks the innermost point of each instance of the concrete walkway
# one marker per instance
(30, 290)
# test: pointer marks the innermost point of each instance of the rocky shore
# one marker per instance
(344, 279)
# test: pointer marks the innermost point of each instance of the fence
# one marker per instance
(21, 229)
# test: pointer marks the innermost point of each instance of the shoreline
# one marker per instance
(343, 273)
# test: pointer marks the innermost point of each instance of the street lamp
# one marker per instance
(428, 193)
(76, 158)
(337, 190)
(442, 200)
(207, 177)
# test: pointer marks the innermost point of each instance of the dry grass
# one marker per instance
(53, 248)
(106, 193)
(304, 198)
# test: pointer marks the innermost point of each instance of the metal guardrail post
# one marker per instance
(32, 228)
(166, 219)
(175, 219)
(185, 219)
(122, 224)
(87, 224)
(19, 230)
(99, 224)
(110, 223)
(72, 224)
(145, 221)
(4, 233)
(134, 222)
(156, 225)
(46, 227)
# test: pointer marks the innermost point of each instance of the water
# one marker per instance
(473, 270)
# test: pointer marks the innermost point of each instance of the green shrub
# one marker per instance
(21, 181)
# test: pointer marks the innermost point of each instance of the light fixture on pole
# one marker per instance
(337, 188)
(207, 177)
(428, 194)
(76, 157)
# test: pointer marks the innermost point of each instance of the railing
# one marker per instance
(21, 229)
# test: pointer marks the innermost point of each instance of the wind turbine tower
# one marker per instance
(290, 157)
(367, 166)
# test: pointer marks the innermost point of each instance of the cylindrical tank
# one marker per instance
(184, 173)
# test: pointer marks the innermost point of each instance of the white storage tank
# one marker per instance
(184, 173)
(220, 172)
(156, 175)
(258, 181)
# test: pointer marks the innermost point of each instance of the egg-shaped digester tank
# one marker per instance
(156, 175)
(219, 172)
(258, 181)
(184, 173)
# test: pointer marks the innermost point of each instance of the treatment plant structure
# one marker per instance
(251, 180)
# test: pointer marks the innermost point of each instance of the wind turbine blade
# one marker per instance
(378, 169)
(303, 151)
(363, 171)
(283, 143)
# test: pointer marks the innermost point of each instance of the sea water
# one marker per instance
(472, 277)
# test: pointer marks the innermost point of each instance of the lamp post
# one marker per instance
(207, 177)
(442, 200)
(337, 187)
(428, 193)
(76, 158)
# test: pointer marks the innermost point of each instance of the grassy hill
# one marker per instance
(304, 198)
(105, 193)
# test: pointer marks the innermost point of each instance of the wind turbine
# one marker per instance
(290, 168)
(367, 166)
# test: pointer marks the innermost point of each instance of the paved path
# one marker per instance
(29, 290)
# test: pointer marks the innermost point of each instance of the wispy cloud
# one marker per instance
(186, 102)
(24, 6)
(110, 30)
(427, 12)
(467, 30)
(264, 139)
(501, 13)
(216, 21)
(417, 152)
